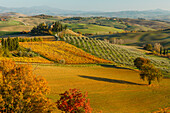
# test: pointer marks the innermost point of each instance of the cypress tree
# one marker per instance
(6, 44)
(167, 51)
(2, 42)
(14, 44)
(161, 50)
(164, 51)
(9, 42)
(17, 43)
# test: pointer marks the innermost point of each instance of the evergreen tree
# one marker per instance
(9, 41)
(17, 43)
(6, 44)
(2, 42)
(167, 51)
(164, 51)
(161, 50)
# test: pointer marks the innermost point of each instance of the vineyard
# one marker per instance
(112, 52)
(62, 52)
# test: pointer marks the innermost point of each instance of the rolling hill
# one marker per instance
(90, 28)
(12, 14)
(120, 23)
(140, 38)
(119, 55)
(148, 14)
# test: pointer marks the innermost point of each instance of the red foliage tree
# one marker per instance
(73, 101)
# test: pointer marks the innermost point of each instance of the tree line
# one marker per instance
(48, 29)
(156, 48)
(10, 43)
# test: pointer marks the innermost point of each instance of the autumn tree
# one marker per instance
(73, 101)
(147, 70)
(157, 47)
(21, 91)
(150, 73)
(148, 47)
(138, 62)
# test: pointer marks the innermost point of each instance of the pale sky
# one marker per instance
(92, 5)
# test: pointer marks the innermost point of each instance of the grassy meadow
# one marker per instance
(111, 90)
(140, 38)
(90, 28)
(5, 33)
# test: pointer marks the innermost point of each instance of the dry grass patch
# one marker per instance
(110, 90)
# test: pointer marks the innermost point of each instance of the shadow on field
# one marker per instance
(166, 77)
(110, 80)
(113, 66)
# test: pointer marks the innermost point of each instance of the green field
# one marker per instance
(9, 23)
(90, 28)
(110, 89)
(3, 33)
(140, 38)
(13, 26)
(120, 23)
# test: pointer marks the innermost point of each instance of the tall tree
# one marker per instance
(2, 42)
(150, 73)
(21, 91)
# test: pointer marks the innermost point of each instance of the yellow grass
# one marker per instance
(28, 59)
(16, 28)
(110, 90)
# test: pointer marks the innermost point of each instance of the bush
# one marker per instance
(20, 53)
(25, 54)
(6, 53)
(73, 101)
(138, 62)
(29, 49)
(31, 54)
(148, 47)
(62, 61)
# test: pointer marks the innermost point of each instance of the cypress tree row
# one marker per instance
(10, 44)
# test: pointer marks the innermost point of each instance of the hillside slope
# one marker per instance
(140, 38)
(120, 23)
(112, 52)
(62, 52)
(12, 14)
